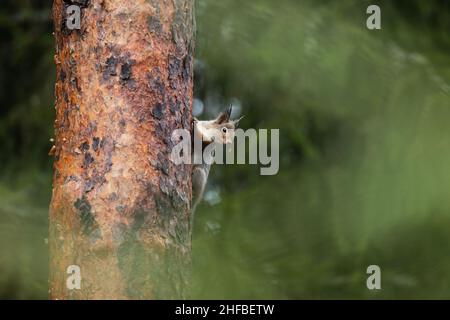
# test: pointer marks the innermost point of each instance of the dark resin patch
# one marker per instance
(154, 25)
(84, 146)
(110, 69)
(87, 219)
(88, 159)
(95, 143)
(158, 111)
(62, 75)
(125, 71)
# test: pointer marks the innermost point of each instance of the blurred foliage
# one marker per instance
(364, 149)
(26, 118)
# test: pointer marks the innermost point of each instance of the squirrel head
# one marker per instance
(220, 130)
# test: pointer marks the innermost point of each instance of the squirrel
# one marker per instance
(219, 131)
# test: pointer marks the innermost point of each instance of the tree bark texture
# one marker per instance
(120, 207)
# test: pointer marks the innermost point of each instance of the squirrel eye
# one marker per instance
(224, 129)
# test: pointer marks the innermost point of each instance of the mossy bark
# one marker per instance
(120, 207)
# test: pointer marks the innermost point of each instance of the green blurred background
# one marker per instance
(364, 149)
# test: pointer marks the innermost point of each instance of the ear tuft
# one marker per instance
(229, 109)
(236, 122)
(224, 116)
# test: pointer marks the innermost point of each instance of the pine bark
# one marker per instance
(120, 207)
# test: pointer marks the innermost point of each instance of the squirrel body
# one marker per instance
(219, 131)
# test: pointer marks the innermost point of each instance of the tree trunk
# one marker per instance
(120, 207)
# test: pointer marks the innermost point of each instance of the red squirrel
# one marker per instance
(218, 131)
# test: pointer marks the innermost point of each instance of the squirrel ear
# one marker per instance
(229, 109)
(224, 116)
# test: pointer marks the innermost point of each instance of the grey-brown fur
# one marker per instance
(218, 131)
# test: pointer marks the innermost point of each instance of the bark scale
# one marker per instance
(120, 207)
